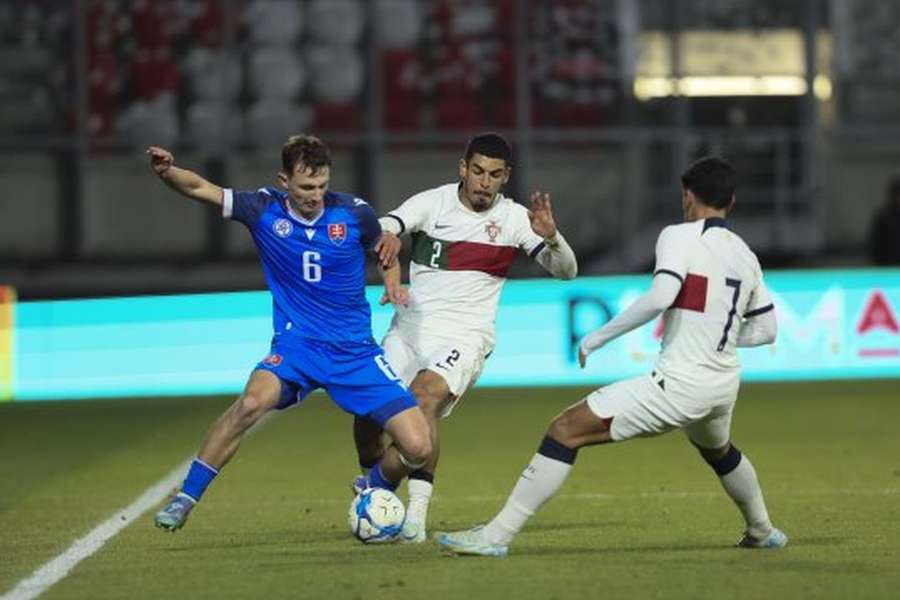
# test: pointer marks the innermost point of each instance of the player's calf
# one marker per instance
(738, 478)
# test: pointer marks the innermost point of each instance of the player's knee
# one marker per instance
(562, 429)
(250, 408)
(416, 450)
(723, 460)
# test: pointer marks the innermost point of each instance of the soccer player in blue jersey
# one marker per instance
(312, 243)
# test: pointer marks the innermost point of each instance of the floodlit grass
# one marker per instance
(646, 518)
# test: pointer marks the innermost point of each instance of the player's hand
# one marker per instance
(584, 352)
(387, 248)
(160, 159)
(397, 295)
(541, 215)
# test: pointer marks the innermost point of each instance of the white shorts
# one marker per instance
(459, 364)
(651, 405)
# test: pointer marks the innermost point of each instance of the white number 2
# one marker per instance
(312, 270)
(436, 255)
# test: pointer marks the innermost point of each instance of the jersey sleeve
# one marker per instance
(369, 227)
(245, 207)
(530, 242)
(413, 213)
(671, 253)
(760, 300)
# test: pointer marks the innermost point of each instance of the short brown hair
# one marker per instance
(307, 150)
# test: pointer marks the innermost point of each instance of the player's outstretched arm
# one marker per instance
(183, 181)
(658, 298)
(557, 256)
(394, 291)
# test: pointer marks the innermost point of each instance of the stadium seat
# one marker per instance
(399, 23)
(212, 74)
(273, 22)
(275, 72)
(270, 121)
(148, 122)
(214, 127)
(337, 73)
(337, 22)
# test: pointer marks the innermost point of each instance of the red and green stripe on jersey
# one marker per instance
(461, 255)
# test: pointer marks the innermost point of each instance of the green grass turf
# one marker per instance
(636, 520)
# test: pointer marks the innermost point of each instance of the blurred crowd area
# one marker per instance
(244, 71)
(397, 86)
(218, 71)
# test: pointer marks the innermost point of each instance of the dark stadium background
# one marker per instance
(396, 87)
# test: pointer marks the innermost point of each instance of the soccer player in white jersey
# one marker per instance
(465, 236)
(710, 287)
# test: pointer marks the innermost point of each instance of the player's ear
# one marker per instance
(282, 179)
(506, 173)
(686, 201)
(730, 206)
(463, 168)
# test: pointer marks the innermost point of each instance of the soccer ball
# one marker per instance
(376, 516)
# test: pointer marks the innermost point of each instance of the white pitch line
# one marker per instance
(49, 574)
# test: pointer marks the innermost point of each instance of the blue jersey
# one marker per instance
(315, 269)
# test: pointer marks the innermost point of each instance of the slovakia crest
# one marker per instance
(273, 360)
(337, 233)
(493, 230)
(282, 228)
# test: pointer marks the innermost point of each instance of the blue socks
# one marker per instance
(199, 476)
(377, 479)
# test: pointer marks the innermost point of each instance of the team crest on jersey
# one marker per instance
(282, 227)
(273, 360)
(493, 230)
(337, 233)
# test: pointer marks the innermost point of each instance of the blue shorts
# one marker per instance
(355, 375)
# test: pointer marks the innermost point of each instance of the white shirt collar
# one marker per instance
(298, 218)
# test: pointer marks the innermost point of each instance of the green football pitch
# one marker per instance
(642, 519)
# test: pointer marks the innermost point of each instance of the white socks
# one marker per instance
(743, 487)
(419, 498)
(539, 482)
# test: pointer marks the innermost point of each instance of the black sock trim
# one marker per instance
(557, 451)
(423, 475)
(365, 464)
(727, 463)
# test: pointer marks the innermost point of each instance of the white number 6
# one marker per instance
(312, 270)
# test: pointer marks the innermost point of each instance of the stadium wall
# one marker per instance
(832, 324)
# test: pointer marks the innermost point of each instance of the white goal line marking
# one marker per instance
(49, 574)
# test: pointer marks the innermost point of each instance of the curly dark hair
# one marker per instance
(307, 150)
(490, 144)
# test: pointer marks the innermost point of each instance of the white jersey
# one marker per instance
(459, 263)
(722, 284)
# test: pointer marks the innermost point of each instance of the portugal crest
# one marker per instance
(337, 233)
(493, 230)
